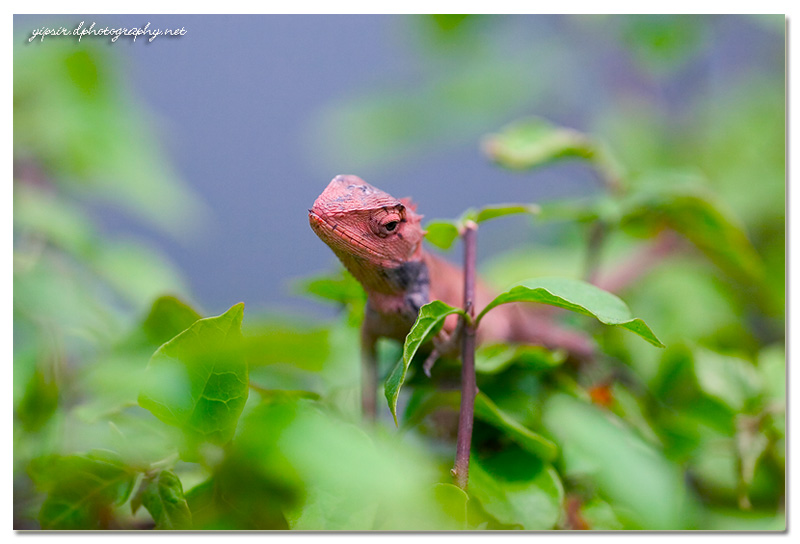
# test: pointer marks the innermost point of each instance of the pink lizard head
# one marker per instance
(369, 230)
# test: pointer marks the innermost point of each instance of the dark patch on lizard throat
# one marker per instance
(411, 277)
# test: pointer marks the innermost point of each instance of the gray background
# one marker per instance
(248, 114)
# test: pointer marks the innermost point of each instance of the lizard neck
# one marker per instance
(403, 289)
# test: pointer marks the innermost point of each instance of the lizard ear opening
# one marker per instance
(411, 209)
(408, 203)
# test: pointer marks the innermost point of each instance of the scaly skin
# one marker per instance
(378, 238)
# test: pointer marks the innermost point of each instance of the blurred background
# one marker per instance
(185, 167)
(245, 120)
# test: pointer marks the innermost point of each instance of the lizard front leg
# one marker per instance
(447, 345)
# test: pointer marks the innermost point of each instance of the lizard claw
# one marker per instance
(429, 362)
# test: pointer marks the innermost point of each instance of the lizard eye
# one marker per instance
(386, 222)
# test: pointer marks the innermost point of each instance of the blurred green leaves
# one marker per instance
(662, 43)
(78, 350)
(460, 85)
(534, 143)
(730, 379)
(442, 232)
(82, 489)
(517, 489)
(168, 317)
(453, 501)
(530, 441)
(689, 437)
(163, 498)
(74, 120)
(453, 108)
(494, 358)
(198, 380)
(329, 474)
(705, 223)
(39, 402)
(648, 490)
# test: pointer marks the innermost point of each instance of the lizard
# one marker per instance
(378, 239)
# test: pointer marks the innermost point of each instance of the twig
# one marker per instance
(468, 385)
(640, 263)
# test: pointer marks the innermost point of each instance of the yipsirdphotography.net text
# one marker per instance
(94, 30)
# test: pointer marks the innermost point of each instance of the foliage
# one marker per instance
(429, 322)
(134, 411)
(576, 296)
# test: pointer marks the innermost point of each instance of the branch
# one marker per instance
(468, 383)
(641, 262)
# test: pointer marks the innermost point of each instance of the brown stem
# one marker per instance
(468, 385)
(640, 263)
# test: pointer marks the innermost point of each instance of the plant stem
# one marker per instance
(468, 386)
(640, 263)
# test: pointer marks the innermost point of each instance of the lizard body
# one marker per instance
(378, 238)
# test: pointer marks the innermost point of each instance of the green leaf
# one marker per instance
(735, 519)
(103, 136)
(534, 142)
(661, 44)
(599, 515)
(453, 502)
(532, 442)
(429, 321)
(772, 367)
(39, 402)
(732, 380)
(576, 296)
(82, 489)
(493, 211)
(167, 318)
(424, 402)
(163, 497)
(304, 346)
(705, 222)
(198, 381)
(453, 108)
(348, 477)
(450, 23)
(635, 478)
(285, 395)
(441, 233)
(341, 287)
(56, 219)
(517, 489)
(330, 511)
(236, 498)
(494, 358)
(602, 207)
